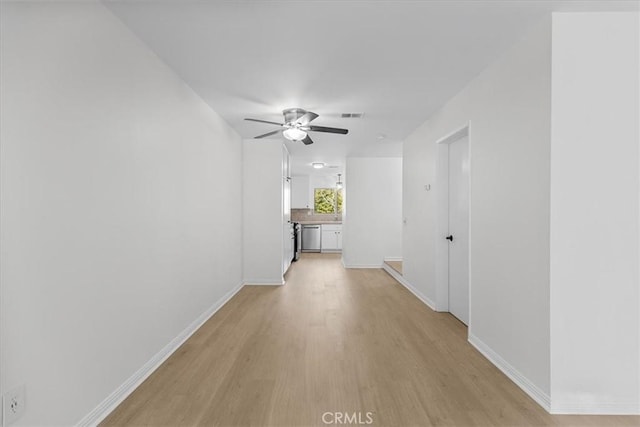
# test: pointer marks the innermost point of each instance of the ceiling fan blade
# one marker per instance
(266, 134)
(307, 140)
(328, 130)
(264, 121)
(306, 118)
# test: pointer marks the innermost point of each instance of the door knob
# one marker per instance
(449, 238)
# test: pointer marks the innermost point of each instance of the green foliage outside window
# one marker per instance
(327, 200)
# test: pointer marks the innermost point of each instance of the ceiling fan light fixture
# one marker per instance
(294, 134)
(296, 125)
(317, 165)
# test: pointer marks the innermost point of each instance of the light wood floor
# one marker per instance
(332, 340)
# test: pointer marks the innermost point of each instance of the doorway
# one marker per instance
(453, 224)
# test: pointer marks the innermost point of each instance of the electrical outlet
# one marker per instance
(13, 405)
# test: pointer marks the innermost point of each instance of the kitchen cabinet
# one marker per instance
(300, 194)
(331, 237)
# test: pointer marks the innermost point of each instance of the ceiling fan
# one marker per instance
(296, 125)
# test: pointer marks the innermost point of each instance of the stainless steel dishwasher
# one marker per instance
(311, 235)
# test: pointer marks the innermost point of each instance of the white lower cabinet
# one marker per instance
(331, 237)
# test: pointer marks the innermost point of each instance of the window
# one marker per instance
(327, 200)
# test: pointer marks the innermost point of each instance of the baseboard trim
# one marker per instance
(410, 288)
(362, 266)
(392, 258)
(262, 283)
(345, 265)
(101, 411)
(539, 396)
(597, 408)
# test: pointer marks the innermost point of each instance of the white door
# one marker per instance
(459, 229)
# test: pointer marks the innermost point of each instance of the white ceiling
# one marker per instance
(396, 61)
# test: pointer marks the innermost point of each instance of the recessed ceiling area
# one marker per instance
(395, 61)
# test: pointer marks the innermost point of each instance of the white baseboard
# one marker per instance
(514, 375)
(101, 411)
(362, 265)
(579, 406)
(410, 288)
(392, 258)
(261, 282)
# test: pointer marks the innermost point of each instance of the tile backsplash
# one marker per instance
(309, 215)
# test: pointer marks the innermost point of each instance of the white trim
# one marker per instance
(410, 288)
(512, 373)
(597, 408)
(361, 265)
(263, 282)
(442, 227)
(392, 258)
(100, 412)
(442, 215)
(455, 135)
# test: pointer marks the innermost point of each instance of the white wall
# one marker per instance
(594, 213)
(321, 181)
(508, 107)
(262, 211)
(372, 227)
(120, 206)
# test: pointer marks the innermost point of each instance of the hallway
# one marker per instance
(332, 341)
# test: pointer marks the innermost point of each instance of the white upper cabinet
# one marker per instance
(300, 193)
